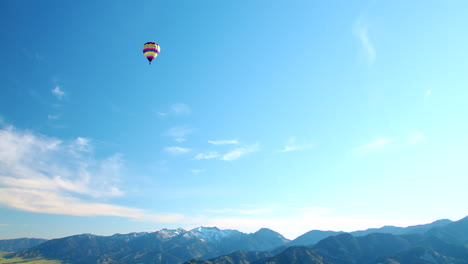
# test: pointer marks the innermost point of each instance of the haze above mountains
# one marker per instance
(443, 241)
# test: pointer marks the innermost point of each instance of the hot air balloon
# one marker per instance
(151, 50)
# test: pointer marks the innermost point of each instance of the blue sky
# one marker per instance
(290, 115)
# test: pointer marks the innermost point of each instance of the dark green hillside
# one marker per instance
(298, 255)
(312, 237)
(166, 246)
(349, 249)
(14, 245)
(238, 257)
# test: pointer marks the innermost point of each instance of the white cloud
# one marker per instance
(177, 150)
(80, 145)
(233, 154)
(209, 155)
(180, 109)
(53, 117)
(47, 175)
(361, 32)
(179, 133)
(373, 146)
(41, 162)
(57, 91)
(224, 142)
(292, 145)
(177, 109)
(40, 201)
(239, 152)
(161, 114)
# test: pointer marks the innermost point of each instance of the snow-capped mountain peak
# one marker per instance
(170, 233)
(212, 234)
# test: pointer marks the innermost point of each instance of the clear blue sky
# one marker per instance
(290, 115)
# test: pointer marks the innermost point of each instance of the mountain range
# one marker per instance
(442, 241)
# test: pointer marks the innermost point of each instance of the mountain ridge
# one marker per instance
(441, 240)
(378, 248)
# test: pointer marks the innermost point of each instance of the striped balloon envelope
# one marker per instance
(151, 50)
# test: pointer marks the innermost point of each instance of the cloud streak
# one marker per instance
(233, 154)
(224, 142)
(179, 133)
(180, 109)
(372, 146)
(177, 150)
(209, 155)
(177, 109)
(361, 32)
(53, 117)
(239, 152)
(292, 145)
(42, 174)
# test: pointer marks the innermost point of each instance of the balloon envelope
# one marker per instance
(151, 50)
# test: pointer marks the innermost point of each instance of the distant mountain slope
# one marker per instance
(165, 246)
(14, 245)
(417, 229)
(455, 232)
(442, 243)
(312, 237)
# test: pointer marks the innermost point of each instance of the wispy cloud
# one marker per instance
(58, 92)
(293, 145)
(224, 142)
(179, 133)
(372, 146)
(230, 155)
(39, 201)
(177, 109)
(161, 114)
(47, 175)
(239, 152)
(180, 109)
(53, 117)
(177, 150)
(428, 92)
(360, 30)
(197, 171)
(41, 162)
(209, 155)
